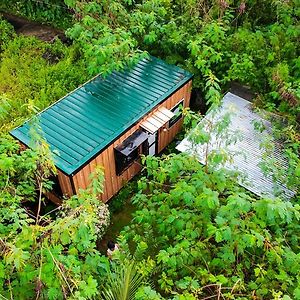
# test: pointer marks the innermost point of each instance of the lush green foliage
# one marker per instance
(6, 32)
(254, 42)
(207, 235)
(53, 12)
(195, 234)
(41, 256)
(123, 196)
(33, 75)
(123, 281)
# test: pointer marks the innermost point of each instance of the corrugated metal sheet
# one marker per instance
(248, 150)
(85, 121)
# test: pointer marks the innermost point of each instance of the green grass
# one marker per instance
(119, 220)
(121, 211)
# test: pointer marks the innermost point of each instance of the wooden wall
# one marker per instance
(114, 183)
(66, 187)
(65, 183)
(166, 136)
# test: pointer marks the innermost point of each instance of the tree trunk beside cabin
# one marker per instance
(106, 158)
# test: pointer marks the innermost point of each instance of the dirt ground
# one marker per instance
(241, 91)
(30, 28)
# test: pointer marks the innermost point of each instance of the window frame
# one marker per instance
(123, 162)
(178, 114)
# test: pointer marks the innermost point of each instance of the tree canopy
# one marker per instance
(195, 234)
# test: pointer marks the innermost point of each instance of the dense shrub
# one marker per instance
(53, 12)
(41, 256)
(33, 75)
(6, 32)
(208, 237)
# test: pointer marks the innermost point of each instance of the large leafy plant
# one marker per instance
(208, 236)
(42, 256)
(53, 12)
(33, 75)
(245, 41)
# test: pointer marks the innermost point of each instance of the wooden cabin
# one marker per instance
(110, 122)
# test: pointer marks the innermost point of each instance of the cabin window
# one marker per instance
(177, 110)
(56, 188)
(128, 152)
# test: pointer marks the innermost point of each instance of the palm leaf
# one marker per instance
(123, 281)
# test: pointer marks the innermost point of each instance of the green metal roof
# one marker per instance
(85, 121)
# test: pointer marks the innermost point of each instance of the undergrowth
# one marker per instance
(34, 74)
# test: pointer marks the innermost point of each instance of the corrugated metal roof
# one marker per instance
(248, 150)
(85, 121)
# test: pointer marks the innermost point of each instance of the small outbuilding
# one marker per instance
(110, 122)
(252, 131)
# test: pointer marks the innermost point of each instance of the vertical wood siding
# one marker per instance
(66, 188)
(114, 183)
(166, 136)
(65, 183)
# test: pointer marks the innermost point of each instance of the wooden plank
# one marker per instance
(155, 122)
(76, 184)
(166, 112)
(92, 166)
(99, 162)
(86, 172)
(65, 184)
(120, 177)
(107, 186)
(81, 179)
(135, 169)
(53, 198)
(112, 166)
(161, 116)
(149, 127)
(108, 176)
